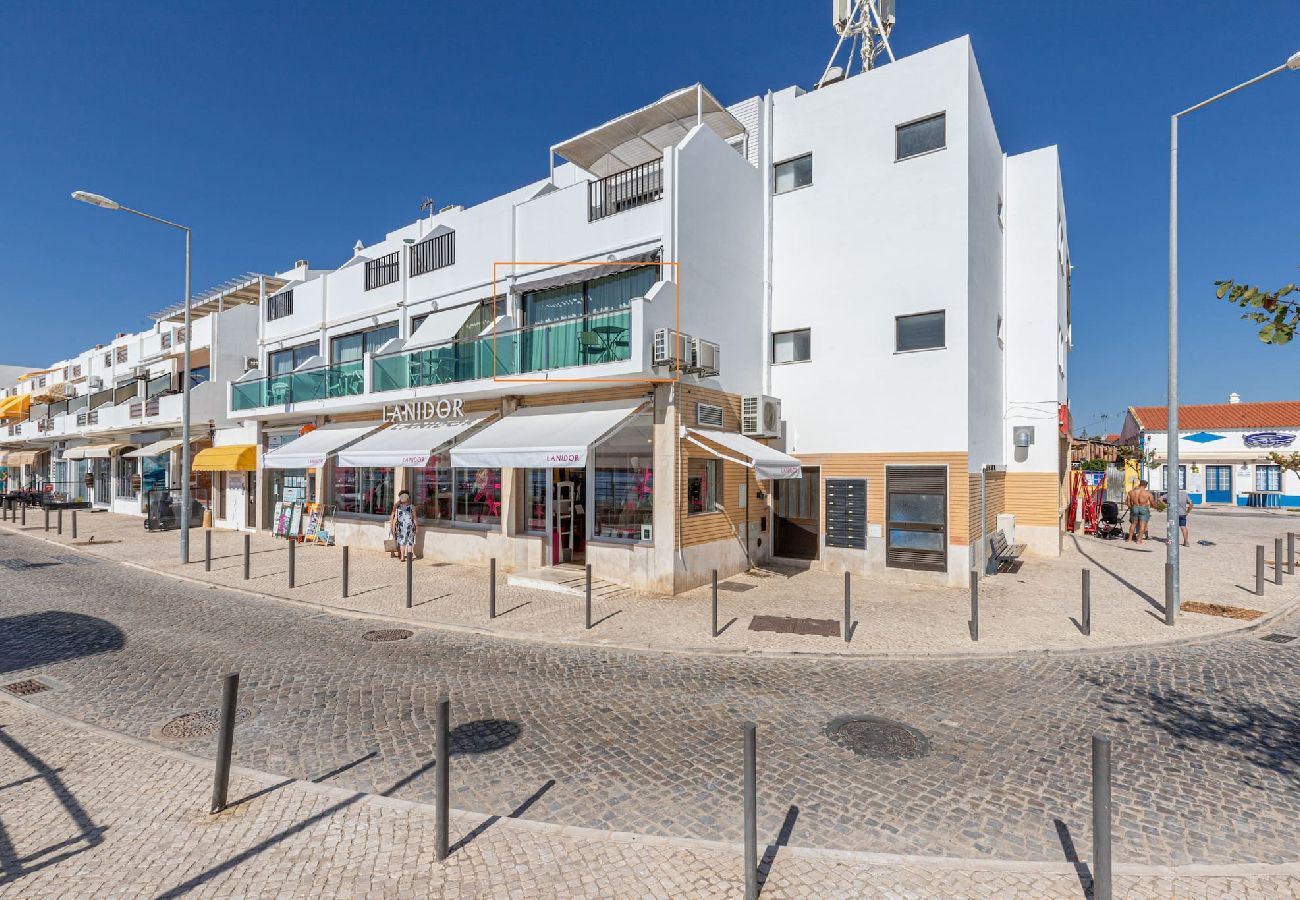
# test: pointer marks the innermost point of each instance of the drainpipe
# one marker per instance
(765, 170)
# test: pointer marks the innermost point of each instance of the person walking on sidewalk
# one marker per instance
(1139, 511)
(1181, 506)
(404, 526)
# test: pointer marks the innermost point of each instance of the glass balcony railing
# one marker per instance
(341, 380)
(581, 341)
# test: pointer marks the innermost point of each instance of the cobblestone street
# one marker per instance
(1206, 763)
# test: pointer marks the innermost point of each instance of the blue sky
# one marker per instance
(289, 130)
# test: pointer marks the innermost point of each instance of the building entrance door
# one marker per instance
(103, 473)
(796, 508)
(1218, 484)
(916, 501)
(568, 521)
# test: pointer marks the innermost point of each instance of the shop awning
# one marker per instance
(93, 451)
(231, 458)
(406, 445)
(22, 457)
(542, 437)
(767, 462)
(312, 449)
(154, 449)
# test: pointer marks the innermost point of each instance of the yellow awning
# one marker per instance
(15, 407)
(35, 373)
(235, 458)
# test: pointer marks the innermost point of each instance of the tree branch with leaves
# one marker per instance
(1276, 316)
(1288, 462)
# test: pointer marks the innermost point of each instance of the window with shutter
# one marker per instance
(916, 518)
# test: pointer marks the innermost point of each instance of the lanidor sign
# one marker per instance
(425, 410)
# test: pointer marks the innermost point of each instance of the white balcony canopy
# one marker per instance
(641, 136)
(407, 445)
(767, 462)
(545, 436)
(154, 449)
(312, 449)
(93, 451)
(439, 326)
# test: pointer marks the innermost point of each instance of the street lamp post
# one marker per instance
(1173, 584)
(105, 203)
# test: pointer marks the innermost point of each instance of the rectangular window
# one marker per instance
(178, 336)
(279, 305)
(382, 271)
(128, 469)
(792, 174)
(589, 297)
(1268, 478)
(921, 136)
(120, 354)
(923, 331)
(536, 482)
(351, 347)
(433, 253)
(108, 359)
(284, 361)
(165, 341)
(792, 346)
(76, 371)
(703, 485)
(199, 374)
(624, 486)
(363, 491)
(478, 495)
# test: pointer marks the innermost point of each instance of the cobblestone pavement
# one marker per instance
(1207, 769)
(1036, 608)
(88, 814)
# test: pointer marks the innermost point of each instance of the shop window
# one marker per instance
(921, 136)
(792, 346)
(128, 469)
(922, 331)
(703, 485)
(1268, 478)
(536, 482)
(153, 472)
(431, 490)
(792, 174)
(624, 482)
(363, 491)
(478, 495)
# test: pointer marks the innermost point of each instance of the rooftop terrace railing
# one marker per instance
(320, 383)
(625, 190)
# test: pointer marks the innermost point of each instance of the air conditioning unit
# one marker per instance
(705, 357)
(140, 371)
(760, 417)
(250, 363)
(95, 383)
(671, 348)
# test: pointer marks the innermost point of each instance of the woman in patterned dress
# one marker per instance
(404, 526)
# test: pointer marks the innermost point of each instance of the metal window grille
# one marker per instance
(279, 305)
(108, 359)
(382, 271)
(120, 353)
(166, 342)
(625, 190)
(433, 253)
(76, 371)
(708, 414)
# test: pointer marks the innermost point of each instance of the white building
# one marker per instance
(1223, 450)
(887, 290)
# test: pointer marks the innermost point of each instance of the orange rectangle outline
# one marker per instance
(676, 379)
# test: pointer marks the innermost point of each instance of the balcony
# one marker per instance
(323, 383)
(568, 343)
(625, 190)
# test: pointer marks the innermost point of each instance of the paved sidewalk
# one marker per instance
(1036, 609)
(89, 813)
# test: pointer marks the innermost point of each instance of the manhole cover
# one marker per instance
(1278, 638)
(737, 588)
(878, 738)
(794, 625)
(26, 688)
(200, 724)
(383, 636)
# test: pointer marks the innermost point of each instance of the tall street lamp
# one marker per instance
(104, 202)
(1173, 582)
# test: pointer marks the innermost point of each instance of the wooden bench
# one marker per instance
(1004, 556)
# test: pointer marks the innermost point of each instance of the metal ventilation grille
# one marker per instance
(751, 414)
(708, 414)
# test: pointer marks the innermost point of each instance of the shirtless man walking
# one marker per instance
(1139, 512)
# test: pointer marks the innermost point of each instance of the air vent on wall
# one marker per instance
(708, 414)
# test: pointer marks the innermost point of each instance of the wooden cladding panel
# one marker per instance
(995, 488)
(708, 527)
(592, 395)
(1033, 498)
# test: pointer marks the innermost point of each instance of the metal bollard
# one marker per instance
(1086, 617)
(442, 778)
(23, 510)
(207, 546)
(714, 631)
(1290, 552)
(345, 571)
(410, 577)
(1171, 610)
(492, 588)
(248, 556)
(293, 570)
(751, 812)
(1101, 881)
(74, 525)
(588, 596)
(47, 518)
(974, 605)
(1259, 570)
(1277, 560)
(225, 741)
(848, 608)
(60, 531)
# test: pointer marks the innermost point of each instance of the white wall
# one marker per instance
(871, 239)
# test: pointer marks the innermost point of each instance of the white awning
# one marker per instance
(312, 449)
(154, 449)
(767, 462)
(439, 326)
(93, 451)
(406, 445)
(542, 437)
(641, 136)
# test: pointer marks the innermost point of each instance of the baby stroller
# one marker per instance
(1110, 524)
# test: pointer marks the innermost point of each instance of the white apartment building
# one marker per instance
(103, 428)
(826, 325)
